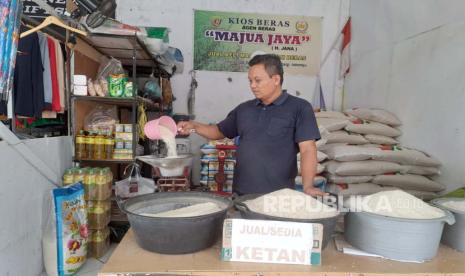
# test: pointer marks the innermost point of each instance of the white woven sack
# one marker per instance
(344, 137)
(367, 167)
(355, 189)
(336, 179)
(320, 143)
(409, 182)
(371, 145)
(323, 131)
(405, 156)
(376, 115)
(350, 153)
(317, 180)
(320, 156)
(422, 194)
(367, 127)
(319, 168)
(332, 124)
(331, 114)
(326, 147)
(421, 170)
(381, 139)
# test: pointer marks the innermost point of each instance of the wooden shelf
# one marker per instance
(119, 101)
(105, 160)
(130, 259)
(107, 100)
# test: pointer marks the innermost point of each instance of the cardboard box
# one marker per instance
(80, 90)
(126, 136)
(80, 80)
(267, 241)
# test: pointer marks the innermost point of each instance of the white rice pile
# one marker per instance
(396, 203)
(287, 203)
(455, 205)
(189, 211)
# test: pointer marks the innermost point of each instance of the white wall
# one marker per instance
(22, 209)
(408, 57)
(215, 95)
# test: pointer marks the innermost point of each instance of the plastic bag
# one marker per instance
(64, 241)
(111, 26)
(91, 88)
(172, 61)
(98, 89)
(155, 39)
(111, 67)
(134, 184)
(101, 118)
(104, 84)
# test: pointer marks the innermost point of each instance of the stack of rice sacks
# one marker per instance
(210, 163)
(319, 181)
(365, 157)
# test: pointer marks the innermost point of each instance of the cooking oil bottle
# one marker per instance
(68, 177)
(109, 145)
(80, 146)
(99, 148)
(90, 144)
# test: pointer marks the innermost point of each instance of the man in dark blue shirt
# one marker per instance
(273, 128)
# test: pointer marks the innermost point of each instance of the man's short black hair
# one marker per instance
(272, 63)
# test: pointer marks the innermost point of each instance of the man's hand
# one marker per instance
(312, 191)
(208, 131)
(186, 128)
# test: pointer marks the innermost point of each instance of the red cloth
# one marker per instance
(345, 55)
(54, 75)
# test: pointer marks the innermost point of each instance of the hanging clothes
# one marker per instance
(3, 108)
(60, 75)
(43, 42)
(28, 88)
(53, 70)
(10, 15)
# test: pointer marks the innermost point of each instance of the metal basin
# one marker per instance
(169, 166)
(174, 235)
(395, 238)
(453, 235)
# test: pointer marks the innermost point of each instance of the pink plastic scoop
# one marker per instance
(152, 129)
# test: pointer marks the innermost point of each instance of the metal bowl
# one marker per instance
(168, 166)
(395, 238)
(174, 235)
(453, 235)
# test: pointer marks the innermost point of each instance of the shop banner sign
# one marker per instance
(266, 241)
(225, 41)
(31, 9)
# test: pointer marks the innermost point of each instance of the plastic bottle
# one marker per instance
(68, 177)
(90, 144)
(109, 175)
(80, 146)
(89, 183)
(109, 145)
(78, 175)
(99, 146)
(102, 187)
